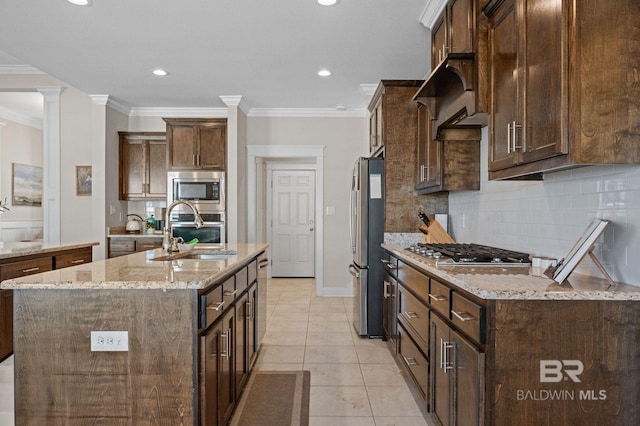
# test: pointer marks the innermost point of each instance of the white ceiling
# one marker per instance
(267, 51)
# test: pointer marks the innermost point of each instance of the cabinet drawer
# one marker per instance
(415, 315)
(414, 360)
(440, 298)
(211, 307)
(253, 271)
(413, 280)
(390, 264)
(72, 259)
(122, 245)
(241, 280)
(143, 244)
(25, 267)
(229, 291)
(468, 317)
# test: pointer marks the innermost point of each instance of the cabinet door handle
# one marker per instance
(437, 298)
(514, 128)
(508, 138)
(247, 312)
(230, 293)
(37, 268)
(385, 290)
(218, 306)
(195, 163)
(227, 336)
(410, 361)
(77, 261)
(411, 315)
(463, 316)
(263, 263)
(447, 365)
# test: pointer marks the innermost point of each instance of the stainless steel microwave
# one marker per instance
(204, 189)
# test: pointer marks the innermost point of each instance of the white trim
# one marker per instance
(100, 100)
(297, 152)
(51, 159)
(119, 106)
(178, 112)
(432, 12)
(237, 101)
(7, 114)
(19, 69)
(308, 112)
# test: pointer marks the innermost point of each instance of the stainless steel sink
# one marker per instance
(210, 254)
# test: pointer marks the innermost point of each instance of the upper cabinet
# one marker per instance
(448, 162)
(196, 143)
(143, 166)
(454, 31)
(564, 85)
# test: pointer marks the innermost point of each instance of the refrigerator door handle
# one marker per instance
(354, 271)
(353, 240)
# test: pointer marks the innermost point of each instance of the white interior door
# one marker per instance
(293, 223)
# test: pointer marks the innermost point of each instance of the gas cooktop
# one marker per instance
(470, 255)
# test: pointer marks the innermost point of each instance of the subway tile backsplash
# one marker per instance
(546, 218)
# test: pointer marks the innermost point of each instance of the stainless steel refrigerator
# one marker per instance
(367, 234)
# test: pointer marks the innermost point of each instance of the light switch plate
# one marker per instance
(109, 341)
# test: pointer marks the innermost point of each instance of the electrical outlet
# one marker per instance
(331, 210)
(112, 209)
(109, 341)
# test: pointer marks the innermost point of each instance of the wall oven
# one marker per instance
(204, 189)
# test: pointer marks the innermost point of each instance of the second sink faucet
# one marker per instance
(168, 242)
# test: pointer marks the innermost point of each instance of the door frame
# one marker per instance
(271, 166)
(297, 153)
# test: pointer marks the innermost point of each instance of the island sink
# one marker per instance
(218, 254)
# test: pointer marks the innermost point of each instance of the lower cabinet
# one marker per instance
(6, 323)
(457, 371)
(121, 246)
(228, 343)
(389, 304)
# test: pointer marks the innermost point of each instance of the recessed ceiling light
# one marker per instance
(324, 73)
(159, 72)
(79, 2)
(327, 2)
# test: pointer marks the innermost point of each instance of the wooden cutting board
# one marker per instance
(436, 234)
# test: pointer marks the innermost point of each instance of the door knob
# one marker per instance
(310, 229)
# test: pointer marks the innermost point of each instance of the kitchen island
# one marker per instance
(140, 339)
(498, 345)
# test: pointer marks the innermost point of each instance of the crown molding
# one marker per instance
(432, 12)
(119, 106)
(7, 114)
(237, 100)
(100, 100)
(177, 112)
(308, 112)
(19, 69)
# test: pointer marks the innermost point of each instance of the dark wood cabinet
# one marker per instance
(194, 143)
(457, 371)
(143, 166)
(121, 246)
(389, 303)
(210, 353)
(561, 97)
(28, 265)
(449, 161)
(453, 31)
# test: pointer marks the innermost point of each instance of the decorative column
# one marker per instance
(51, 162)
(98, 174)
(233, 169)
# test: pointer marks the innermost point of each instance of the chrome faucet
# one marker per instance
(168, 242)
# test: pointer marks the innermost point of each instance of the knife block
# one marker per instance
(436, 234)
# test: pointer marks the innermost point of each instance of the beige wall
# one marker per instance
(18, 144)
(116, 121)
(344, 139)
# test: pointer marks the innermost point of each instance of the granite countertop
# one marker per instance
(25, 248)
(138, 272)
(518, 282)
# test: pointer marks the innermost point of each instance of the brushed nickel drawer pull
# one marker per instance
(77, 261)
(463, 316)
(411, 315)
(217, 307)
(263, 263)
(410, 361)
(230, 293)
(385, 293)
(437, 298)
(37, 268)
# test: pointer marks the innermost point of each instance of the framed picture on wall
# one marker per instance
(26, 185)
(83, 180)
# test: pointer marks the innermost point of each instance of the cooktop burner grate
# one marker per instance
(471, 253)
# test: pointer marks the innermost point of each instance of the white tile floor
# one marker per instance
(354, 381)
